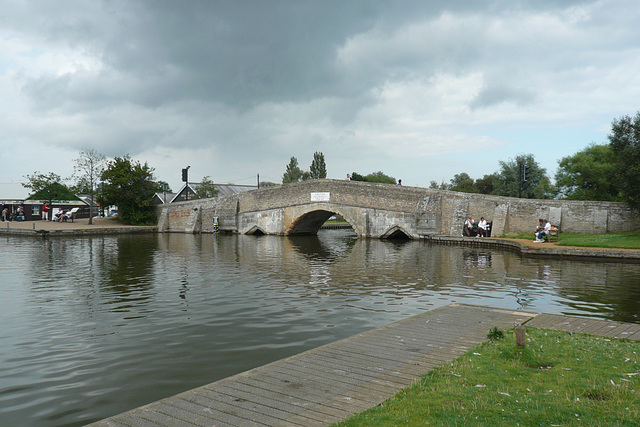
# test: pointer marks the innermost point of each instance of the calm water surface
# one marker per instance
(90, 327)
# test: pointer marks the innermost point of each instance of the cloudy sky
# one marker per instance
(419, 90)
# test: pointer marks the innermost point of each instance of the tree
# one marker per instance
(378, 177)
(589, 174)
(130, 186)
(381, 178)
(441, 186)
(509, 179)
(293, 172)
(486, 184)
(48, 187)
(625, 143)
(39, 182)
(87, 170)
(355, 176)
(206, 189)
(462, 182)
(318, 167)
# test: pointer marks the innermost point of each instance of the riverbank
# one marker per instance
(80, 226)
(549, 249)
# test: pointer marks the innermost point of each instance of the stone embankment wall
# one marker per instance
(375, 209)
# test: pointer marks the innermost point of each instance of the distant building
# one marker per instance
(14, 195)
(188, 191)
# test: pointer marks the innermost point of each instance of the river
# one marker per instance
(94, 326)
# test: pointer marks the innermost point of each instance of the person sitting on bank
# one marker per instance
(468, 226)
(542, 230)
(20, 214)
(482, 227)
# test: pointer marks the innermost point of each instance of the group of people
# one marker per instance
(59, 215)
(479, 229)
(470, 226)
(18, 215)
(542, 230)
(62, 215)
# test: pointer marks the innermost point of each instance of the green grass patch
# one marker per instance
(621, 240)
(624, 240)
(558, 379)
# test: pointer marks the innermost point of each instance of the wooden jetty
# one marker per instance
(330, 383)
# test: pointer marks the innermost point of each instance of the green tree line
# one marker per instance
(604, 172)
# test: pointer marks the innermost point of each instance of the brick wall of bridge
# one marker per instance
(427, 211)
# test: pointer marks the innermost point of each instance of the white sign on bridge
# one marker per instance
(320, 197)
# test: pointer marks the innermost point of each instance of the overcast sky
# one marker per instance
(420, 90)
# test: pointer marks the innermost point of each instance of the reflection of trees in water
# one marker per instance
(591, 285)
(128, 269)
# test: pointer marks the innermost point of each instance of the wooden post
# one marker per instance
(521, 337)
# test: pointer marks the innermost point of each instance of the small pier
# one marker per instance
(333, 382)
(330, 383)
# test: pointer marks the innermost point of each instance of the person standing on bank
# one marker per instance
(45, 211)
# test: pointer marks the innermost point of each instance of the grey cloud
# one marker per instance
(240, 53)
(497, 94)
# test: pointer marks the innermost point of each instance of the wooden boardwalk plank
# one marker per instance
(332, 382)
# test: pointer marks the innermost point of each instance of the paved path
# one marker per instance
(332, 382)
(80, 226)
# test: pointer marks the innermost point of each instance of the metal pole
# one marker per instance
(520, 180)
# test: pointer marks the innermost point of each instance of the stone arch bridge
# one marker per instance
(382, 211)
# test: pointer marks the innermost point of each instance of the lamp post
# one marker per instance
(185, 178)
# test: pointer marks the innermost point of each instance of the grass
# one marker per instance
(621, 240)
(626, 240)
(558, 379)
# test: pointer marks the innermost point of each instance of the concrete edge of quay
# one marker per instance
(545, 250)
(76, 231)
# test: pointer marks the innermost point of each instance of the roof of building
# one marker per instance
(161, 196)
(223, 189)
(13, 191)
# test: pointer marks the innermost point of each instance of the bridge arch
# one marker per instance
(255, 231)
(396, 232)
(309, 220)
